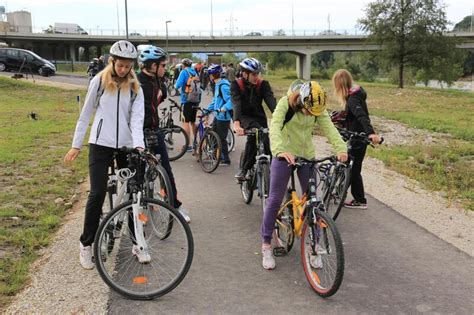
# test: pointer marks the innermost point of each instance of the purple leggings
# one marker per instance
(279, 176)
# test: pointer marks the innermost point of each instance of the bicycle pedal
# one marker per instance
(279, 251)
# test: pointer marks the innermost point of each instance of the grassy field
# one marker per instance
(32, 175)
(448, 168)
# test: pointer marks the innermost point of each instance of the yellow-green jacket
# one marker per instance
(296, 135)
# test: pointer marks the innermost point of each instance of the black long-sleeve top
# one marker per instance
(150, 86)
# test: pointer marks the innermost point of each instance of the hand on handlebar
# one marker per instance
(342, 157)
(290, 158)
(238, 130)
(376, 139)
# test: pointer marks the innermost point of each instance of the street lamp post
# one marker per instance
(167, 35)
(126, 19)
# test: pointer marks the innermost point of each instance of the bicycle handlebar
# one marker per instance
(351, 135)
(253, 131)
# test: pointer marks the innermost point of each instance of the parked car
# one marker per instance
(254, 34)
(14, 58)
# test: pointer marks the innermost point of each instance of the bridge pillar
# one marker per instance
(72, 51)
(303, 64)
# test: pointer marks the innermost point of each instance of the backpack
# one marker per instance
(240, 83)
(193, 88)
(231, 112)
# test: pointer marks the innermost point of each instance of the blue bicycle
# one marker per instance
(207, 145)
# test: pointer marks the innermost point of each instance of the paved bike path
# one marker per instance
(392, 265)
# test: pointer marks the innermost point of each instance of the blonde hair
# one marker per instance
(342, 82)
(293, 101)
(110, 85)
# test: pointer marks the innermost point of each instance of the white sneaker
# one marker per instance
(316, 261)
(85, 256)
(185, 214)
(268, 261)
(142, 255)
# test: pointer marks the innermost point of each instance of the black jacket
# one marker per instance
(248, 107)
(357, 113)
(150, 86)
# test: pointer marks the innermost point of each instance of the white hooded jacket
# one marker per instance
(117, 123)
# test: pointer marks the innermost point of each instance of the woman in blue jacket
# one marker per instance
(223, 105)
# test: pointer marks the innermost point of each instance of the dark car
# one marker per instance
(14, 59)
(254, 34)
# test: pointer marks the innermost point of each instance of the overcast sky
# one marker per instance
(195, 15)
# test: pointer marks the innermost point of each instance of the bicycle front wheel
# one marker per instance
(210, 151)
(322, 254)
(264, 184)
(170, 259)
(246, 184)
(176, 141)
(337, 193)
(161, 190)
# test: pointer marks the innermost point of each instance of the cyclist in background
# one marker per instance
(117, 99)
(223, 104)
(248, 93)
(152, 61)
(306, 103)
(353, 98)
(189, 109)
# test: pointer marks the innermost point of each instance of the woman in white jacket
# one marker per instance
(117, 100)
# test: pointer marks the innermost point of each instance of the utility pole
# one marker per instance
(329, 21)
(292, 20)
(118, 19)
(167, 35)
(126, 20)
(212, 22)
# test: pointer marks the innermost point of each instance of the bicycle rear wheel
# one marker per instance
(176, 141)
(230, 138)
(336, 195)
(170, 259)
(322, 254)
(210, 148)
(284, 235)
(161, 190)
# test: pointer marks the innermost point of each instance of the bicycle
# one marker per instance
(207, 144)
(230, 138)
(258, 177)
(337, 176)
(322, 251)
(144, 225)
(176, 139)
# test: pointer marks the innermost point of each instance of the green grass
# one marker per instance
(32, 174)
(445, 168)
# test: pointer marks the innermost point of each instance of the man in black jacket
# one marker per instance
(248, 93)
(152, 62)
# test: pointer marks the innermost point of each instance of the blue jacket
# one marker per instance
(222, 99)
(182, 80)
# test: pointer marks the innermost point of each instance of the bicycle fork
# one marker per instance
(139, 218)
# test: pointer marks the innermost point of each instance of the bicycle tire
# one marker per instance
(246, 185)
(230, 138)
(265, 182)
(171, 90)
(284, 235)
(170, 259)
(336, 195)
(162, 190)
(210, 148)
(177, 142)
(322, 272)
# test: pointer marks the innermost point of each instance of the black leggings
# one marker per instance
(357, 184)
(100, 158)
(222, 127)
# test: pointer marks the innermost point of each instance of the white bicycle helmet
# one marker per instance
(123, 49)
(252, 65)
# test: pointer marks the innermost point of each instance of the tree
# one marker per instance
(465, 25)
(411, 33)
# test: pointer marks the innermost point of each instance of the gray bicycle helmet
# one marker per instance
(123, 49)
(187, 62)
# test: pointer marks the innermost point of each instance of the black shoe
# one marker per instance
(225, 162)
(240, 175)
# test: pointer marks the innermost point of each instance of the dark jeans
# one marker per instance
(165, 162)
(357, 185)
(100, 158)
(221, 127)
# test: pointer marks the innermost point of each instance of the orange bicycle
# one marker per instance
(322, 252)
